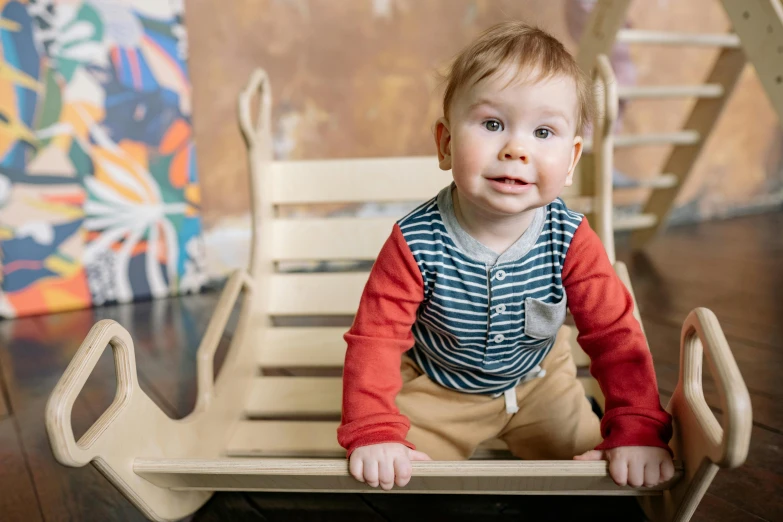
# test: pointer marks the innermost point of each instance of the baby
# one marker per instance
(456, 338)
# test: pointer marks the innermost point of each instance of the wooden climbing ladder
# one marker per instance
(757, 37)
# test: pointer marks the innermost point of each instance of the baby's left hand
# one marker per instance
(635, 465)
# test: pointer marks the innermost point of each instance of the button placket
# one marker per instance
(495, 310)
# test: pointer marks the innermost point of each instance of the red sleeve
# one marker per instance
(380, 333)
(609, 333)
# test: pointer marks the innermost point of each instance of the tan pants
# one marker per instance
(555, 420)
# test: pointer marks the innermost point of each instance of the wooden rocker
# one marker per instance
(256, 432)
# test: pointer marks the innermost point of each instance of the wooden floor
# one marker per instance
(732, 267)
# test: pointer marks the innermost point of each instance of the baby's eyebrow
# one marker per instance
(483, 101)
(555, 113)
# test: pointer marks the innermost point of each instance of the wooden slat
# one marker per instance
(362, 238)
(302, 438)
(640, 36)
(339, 293)
(634, 222)
(330, 238)
(302, 347)
(405, 179)
(317, 347)
(684, 137)
(291, 396)
(294, 396)
(316, 294)
(660, 181)
(346, 238)
(635, 92)
(285, 438)
(473, 477)
(384, 180)
(348, 180)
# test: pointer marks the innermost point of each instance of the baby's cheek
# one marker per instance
(552, 177)
(465, 161)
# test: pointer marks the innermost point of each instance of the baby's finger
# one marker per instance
(591, 455)
(618, 470)
(667, 470)
(635, 474)
(386, 473)
(418, 455)
(652, 474)
(371, 472)
(356, 468)
(402, 471)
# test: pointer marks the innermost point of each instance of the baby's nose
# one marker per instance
(513, 153)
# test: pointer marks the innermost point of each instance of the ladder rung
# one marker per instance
(584, 204)
(685, 137)
(634, 222)
(658, 182)
(710, 90)
(669, 38)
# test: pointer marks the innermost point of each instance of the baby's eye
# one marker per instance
(543, 133)
(493, 125)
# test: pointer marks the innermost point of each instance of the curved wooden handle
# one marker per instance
(727, 442)
(606, 105)
(205, 356)
(58, 409)
(608, 101)
(259, 82)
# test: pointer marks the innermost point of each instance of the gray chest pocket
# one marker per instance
(543, 320)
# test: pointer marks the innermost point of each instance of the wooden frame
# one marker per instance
(758, 33)
(251, 431)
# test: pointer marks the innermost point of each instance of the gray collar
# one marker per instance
(473, 248)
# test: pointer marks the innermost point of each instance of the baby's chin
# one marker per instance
(510, 210)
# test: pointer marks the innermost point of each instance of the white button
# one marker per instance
(501, 308)
(501, 275)
(499, 338)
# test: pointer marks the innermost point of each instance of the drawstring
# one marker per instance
(511, 401)
(511, 394)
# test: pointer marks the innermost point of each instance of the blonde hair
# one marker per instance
(516, 43)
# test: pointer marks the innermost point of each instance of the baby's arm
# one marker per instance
(620, 360)
(380, 333)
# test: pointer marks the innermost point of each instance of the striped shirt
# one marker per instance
(478, 322)
(486, 320)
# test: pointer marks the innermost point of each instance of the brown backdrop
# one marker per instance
(355, 78)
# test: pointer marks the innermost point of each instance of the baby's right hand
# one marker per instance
(385, 464)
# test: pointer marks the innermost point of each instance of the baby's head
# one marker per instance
(514, 109)
(531, 53)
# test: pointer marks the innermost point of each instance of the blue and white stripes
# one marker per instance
(471, 332)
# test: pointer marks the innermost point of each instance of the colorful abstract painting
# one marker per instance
(99, 201)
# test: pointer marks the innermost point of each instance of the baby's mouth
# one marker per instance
(509, 181)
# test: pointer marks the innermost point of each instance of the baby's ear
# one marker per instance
(443, 142)
(576, 153)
